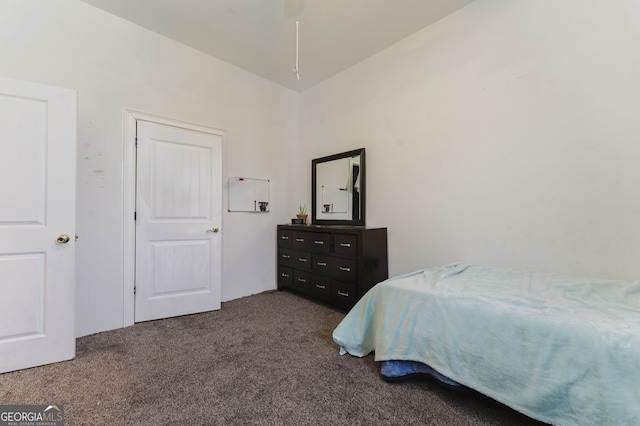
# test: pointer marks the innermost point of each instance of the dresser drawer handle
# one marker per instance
(321, 287)
(345, 244)
(302, 259)
(300, 240)
(319, 242)
(321, 263)
(284, 237)
(343, 294)
(343, 268)
(285, 275)
(286, 256)
(302, 280)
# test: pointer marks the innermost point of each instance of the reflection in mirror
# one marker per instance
(338, 189)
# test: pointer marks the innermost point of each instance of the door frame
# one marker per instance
(131, 117)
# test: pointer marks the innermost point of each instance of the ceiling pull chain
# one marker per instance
(295, 69)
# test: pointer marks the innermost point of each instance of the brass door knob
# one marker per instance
(63, 239)
(214, 229)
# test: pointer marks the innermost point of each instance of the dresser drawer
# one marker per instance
(285, 276)
(300, 240)
(320, 287)
(301, 280)
(343, 294)
(346, 245)
(301, 259)
(285, 256)
(320, 243)
(321, 263)
(344, 269)
(284, 238)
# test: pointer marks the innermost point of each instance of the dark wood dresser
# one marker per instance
(335, 264)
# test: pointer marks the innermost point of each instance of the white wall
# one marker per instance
(502, 135)
(505, 134)
(114, 64)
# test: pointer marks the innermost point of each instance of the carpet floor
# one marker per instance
(266, 359)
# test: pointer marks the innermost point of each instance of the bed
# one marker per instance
(561, 349)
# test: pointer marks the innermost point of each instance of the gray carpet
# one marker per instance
(266, 359)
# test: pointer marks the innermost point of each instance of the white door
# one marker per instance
(37, 224)
(178, 219)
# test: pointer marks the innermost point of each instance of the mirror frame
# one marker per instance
(363, 187)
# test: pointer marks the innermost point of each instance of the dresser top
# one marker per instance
(328, 227)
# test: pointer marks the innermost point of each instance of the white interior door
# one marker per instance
(37, 224)
(178, 219)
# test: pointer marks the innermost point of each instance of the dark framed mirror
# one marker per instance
(338, 189)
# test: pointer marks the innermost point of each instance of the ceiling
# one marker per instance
(260, 35)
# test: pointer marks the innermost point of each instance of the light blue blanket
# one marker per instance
(564, 350)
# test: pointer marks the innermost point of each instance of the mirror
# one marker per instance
(338, 189)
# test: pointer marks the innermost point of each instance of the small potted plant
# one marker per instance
(302, 213)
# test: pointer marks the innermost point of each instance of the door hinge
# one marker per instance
(136, 141)
(134, 290)
(135, 215)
